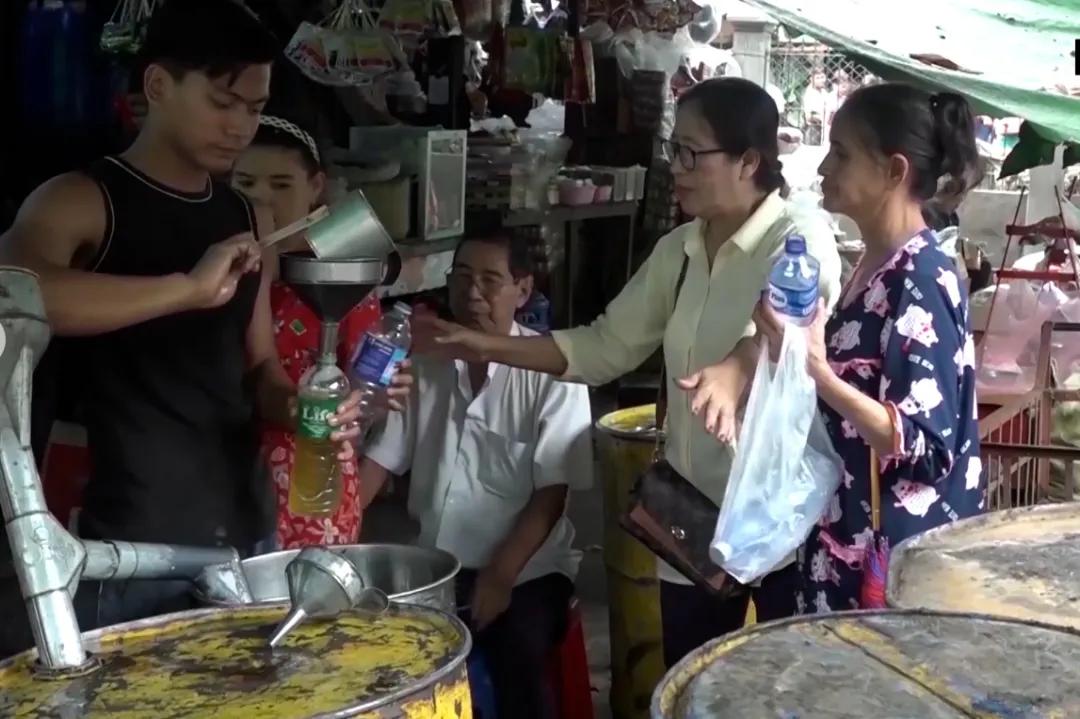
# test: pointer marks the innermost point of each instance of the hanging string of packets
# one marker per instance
(664, 16)
(124, 32)
(347, 48)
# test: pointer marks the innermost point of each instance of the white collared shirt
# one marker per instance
(476, 461)
(713, 313)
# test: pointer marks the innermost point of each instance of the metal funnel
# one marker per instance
(330, 288)
(324, 584)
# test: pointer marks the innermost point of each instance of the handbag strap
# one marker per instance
(661, 393)
(875, 492)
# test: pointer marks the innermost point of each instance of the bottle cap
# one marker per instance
(795, 245)
(403, 308)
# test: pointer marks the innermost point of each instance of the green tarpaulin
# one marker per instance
(1008, 50)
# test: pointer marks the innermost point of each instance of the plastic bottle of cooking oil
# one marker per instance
(315, 485)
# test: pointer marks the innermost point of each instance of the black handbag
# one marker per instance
(672, 517)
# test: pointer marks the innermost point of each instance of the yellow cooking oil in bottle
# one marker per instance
(315, 484)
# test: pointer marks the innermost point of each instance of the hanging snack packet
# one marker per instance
(307, 51)
(412, 21)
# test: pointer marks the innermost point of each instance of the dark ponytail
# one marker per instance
(935, 133)
(961, 167)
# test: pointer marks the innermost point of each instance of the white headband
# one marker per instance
(280, 123)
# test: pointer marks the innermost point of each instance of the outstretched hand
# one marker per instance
(771, 326)
(432, 335)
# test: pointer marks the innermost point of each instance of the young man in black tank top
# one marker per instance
(154, 266)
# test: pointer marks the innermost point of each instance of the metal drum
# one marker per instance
(408, 574)
(894, 664)
(626, 440)
(406, 664)
(1019, 563)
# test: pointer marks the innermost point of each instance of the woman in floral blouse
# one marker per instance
(894, 364)
(282, 170)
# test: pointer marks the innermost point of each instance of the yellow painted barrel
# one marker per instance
(626, 440)
(216, 663)
(1020, 563)
(895, 664)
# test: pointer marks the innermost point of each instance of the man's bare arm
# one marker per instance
(531, 529)
(57, 232)
(373, 478)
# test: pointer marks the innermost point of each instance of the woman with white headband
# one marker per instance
(282, 170)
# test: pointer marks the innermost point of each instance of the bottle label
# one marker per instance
(793, 304)
(377, 360)
(314, 417)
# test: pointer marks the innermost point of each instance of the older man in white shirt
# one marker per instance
(493, 452)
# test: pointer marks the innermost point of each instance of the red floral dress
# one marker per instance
(296, 334)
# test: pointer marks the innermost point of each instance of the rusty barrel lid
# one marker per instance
(216, 663)
(895, 664)
(1020, 563)
(632, 423)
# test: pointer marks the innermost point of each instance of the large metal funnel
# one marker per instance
(330, 288)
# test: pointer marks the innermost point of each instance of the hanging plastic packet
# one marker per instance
(408, 20)
(413, 21)
(124, 32)
(531, 60)
(580, 75)
(346, 49)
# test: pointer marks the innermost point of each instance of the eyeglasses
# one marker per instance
(462, 280)
(687, 156)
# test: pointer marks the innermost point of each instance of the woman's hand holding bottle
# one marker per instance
(771, 326)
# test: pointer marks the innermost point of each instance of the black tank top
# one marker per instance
(169, 417)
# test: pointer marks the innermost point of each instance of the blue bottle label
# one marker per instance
(377, 360)
(793, 303)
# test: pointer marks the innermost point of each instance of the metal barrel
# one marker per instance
(1019, 563)
(408, 574)
(626, 439)
(407, 663)
(856, 665)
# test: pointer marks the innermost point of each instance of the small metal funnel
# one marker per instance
(324, 584)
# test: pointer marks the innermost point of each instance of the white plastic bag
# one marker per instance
(785, 471)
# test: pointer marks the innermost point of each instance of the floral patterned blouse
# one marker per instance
(296, 334)
(904, 340)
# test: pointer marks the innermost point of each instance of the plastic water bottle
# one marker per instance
(376, 361)
(536, 314)
(793, 283)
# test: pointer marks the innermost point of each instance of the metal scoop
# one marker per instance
(324, 584)
(225, 582)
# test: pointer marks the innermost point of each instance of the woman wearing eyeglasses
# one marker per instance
(727, 176)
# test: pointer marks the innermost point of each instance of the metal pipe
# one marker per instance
(47, 559)
(328, 340)
(112, 560)
(56, 631)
